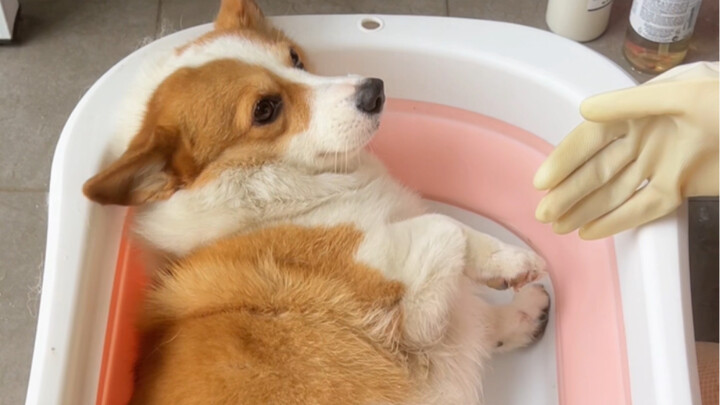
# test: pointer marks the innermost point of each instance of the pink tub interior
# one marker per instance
(480, 165)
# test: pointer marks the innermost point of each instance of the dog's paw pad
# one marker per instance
(533, 306)
(524, 320)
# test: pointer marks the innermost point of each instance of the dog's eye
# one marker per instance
(297, 63)
(267, 110)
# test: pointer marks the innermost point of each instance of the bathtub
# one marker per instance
(475, 107)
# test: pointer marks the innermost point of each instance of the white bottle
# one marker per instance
(579, 20)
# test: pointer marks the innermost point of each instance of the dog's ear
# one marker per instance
(237, 14)
(154, 166)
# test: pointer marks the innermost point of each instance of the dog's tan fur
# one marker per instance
(281, 316)
(200, 121)
(285, 314)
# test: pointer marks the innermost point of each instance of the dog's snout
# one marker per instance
(370, 96)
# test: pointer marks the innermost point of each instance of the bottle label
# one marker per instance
(664, 21)
(594, 5)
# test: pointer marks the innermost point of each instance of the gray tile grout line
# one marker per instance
(447, 8)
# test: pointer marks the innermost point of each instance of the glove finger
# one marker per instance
(580, 145)
(644, 206)
(602, 168)
(603, 200)
(634, 102)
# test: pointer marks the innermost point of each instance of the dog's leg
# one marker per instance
(498, 264)
(523, 321)
(427, 254)
(456, 364)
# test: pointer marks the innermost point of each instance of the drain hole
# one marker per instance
(371, 24)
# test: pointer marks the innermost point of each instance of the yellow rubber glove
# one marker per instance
(640, 152)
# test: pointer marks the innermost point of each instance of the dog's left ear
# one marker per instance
(237, 14)
(154, 167)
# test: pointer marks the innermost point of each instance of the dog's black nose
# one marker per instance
(370, 96)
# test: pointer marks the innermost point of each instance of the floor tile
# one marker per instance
(412, 7)
(532, 13)
(524, 12)
(179, 14)
(22, 245)
(704, 45)
(64, 46)
(176, 15)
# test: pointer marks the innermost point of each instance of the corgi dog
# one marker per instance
(295, 279)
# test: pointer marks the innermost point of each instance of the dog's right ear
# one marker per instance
(153, 168)
(239, 14)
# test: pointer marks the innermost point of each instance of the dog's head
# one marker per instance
(237, 97)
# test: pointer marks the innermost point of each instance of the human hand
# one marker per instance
(639, 153)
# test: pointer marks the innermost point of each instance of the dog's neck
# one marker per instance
(245, 199)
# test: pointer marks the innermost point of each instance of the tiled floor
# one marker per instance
(65, 45)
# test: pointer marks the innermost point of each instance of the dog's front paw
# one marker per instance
(513, 267)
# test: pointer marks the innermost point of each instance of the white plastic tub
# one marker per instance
(525, 77)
